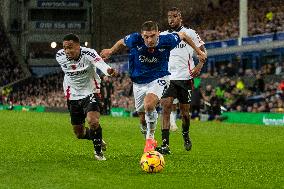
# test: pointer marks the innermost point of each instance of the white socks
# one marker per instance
(151, 120)
(173, 117)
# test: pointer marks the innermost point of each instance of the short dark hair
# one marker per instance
(149, 26)
(175, 9)
(71, 36)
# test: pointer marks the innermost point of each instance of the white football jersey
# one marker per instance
(181, 61)
(80, 75)
(97, 81)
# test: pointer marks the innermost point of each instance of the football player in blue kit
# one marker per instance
(148, 70)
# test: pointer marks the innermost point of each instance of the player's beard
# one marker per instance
(174, 26)
(73, 56)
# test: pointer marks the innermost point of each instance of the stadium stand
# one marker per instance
(264, 17)
(10, 69)
(231, 76)
(45, 91)
(235, 95)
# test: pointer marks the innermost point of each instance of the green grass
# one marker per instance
(39, 150)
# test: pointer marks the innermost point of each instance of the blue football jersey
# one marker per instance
(147, 64)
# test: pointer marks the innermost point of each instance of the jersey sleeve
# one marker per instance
(195, 37)
(173, 40)
(92, 55)
(60, 56)
(98, 62)
(164, 33)
(131, 39)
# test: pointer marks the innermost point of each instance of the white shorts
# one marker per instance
(157, 87)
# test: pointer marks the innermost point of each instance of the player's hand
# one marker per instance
(196, 70)
(112, 72)
(106, 53)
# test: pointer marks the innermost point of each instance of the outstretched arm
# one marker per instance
(201, 52)
(105, 68)
(201, 55)
(119, 45)
(197, 69)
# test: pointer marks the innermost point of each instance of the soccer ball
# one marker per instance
(152, 162)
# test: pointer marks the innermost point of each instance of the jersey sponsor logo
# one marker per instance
(180, 45)
(145, 59)
(76, 73)
(161, 50)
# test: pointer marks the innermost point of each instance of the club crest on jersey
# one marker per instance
(81, 64)
(73, 66)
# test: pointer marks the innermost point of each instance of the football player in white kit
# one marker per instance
(183, 70)
(78, 64)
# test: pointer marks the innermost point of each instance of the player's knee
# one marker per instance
(166, 108)
(149, 107)
(79, 133)
(166, 112)
(185, 117)
(150, 102)
(93, 123)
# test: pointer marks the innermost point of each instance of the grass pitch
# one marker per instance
(39, 150)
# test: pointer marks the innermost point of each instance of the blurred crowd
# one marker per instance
(10, 69)
(238, 69)
(48, 91)
(231, 93)
(236, 95)
(221, 21)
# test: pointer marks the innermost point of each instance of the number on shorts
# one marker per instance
(189, 95)
(162, 82)
(92, 98)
